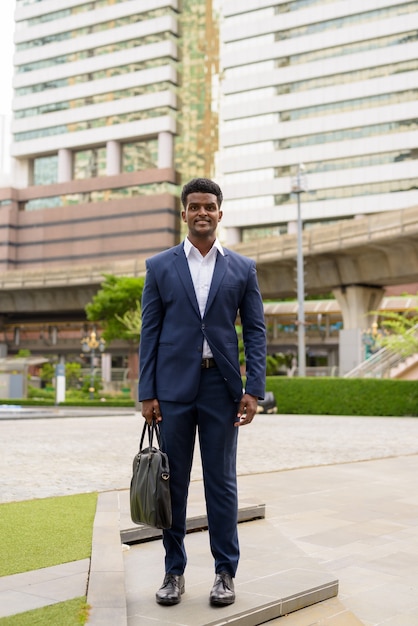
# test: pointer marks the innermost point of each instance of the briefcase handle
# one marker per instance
(152, 429)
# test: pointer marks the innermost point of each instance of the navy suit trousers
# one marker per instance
(212, 415)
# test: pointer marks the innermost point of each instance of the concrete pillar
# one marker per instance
(60, 381)
(65, 165)
(106, 366)
(21, 173)
(356, 303)
(292, 228)
(351, 350)
(113, 158)
(165, 150)
(233, 235)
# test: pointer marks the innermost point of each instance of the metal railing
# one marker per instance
(380, 364)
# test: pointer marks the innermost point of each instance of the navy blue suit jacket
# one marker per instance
(173, 330)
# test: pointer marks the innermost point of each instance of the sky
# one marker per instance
(6, 55)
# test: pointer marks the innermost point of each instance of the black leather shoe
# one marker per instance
(223, 590)
(171, 589)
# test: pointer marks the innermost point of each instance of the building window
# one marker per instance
(45, 170)
(140, 155)
(90, 163)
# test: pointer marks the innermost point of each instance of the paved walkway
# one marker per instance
(342, 490)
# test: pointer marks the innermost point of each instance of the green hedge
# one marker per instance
(344, 396)
(311, 396)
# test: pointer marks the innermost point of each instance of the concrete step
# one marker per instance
(275, 578)
(408, 365)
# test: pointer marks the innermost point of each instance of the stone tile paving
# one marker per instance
(67, 455)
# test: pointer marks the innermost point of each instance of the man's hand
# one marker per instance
(246, 410)
(151, 410)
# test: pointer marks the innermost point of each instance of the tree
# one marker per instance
(132, 321)
(117, 307)
(402, 335)
(72, 374)
(47, 373)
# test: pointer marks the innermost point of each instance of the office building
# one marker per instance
(101, 135)
(327, 83)
(95, 104)
(111, 113)
(4, 150)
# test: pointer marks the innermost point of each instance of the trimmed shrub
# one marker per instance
(344, 396)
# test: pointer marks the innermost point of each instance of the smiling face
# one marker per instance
(202, 215)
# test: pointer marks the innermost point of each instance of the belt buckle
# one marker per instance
(205, 363)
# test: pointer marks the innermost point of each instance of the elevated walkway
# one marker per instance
(365, 251)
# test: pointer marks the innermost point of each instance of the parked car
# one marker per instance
(268, 405)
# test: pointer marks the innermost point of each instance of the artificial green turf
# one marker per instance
(70, 613)
(41, 533)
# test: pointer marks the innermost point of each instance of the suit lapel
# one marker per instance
(182, 267)
(221, 266)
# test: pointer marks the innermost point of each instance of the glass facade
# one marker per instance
(197, 142)
(89, 163)
(198, 64)
(324, 53)
(81, 55)
(95, 123)
(103, 195)
(58, 15)
(350, 133)
(95, 99)
(139, 155)
(334, 193)
(348, 20)
(95, 28)
(45, 170)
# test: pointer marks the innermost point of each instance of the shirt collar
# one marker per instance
(188, 247)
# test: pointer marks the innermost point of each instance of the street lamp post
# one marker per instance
(299, 185)
(89, 344)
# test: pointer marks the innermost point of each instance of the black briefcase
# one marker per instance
(150, 498)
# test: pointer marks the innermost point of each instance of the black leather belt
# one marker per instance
(207, 363)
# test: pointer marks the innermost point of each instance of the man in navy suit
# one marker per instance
(190, 377)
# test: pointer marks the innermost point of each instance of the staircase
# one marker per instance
(408, 368)
(386, 364)
(379, 365)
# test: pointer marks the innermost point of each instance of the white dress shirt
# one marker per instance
(201, 269)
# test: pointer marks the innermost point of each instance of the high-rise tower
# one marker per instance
(93, 133)
(327, 83)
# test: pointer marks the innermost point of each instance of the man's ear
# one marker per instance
(220, 215)
(183, 216)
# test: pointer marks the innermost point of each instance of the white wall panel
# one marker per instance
(325, 152)
(88, 18)
(326, 67)
(314, 97)
(102, 85)
(95, 40)
(95, 111)
(292, 19)
(94, 137)
(338, 37)
(313, 211)
(97, 63)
